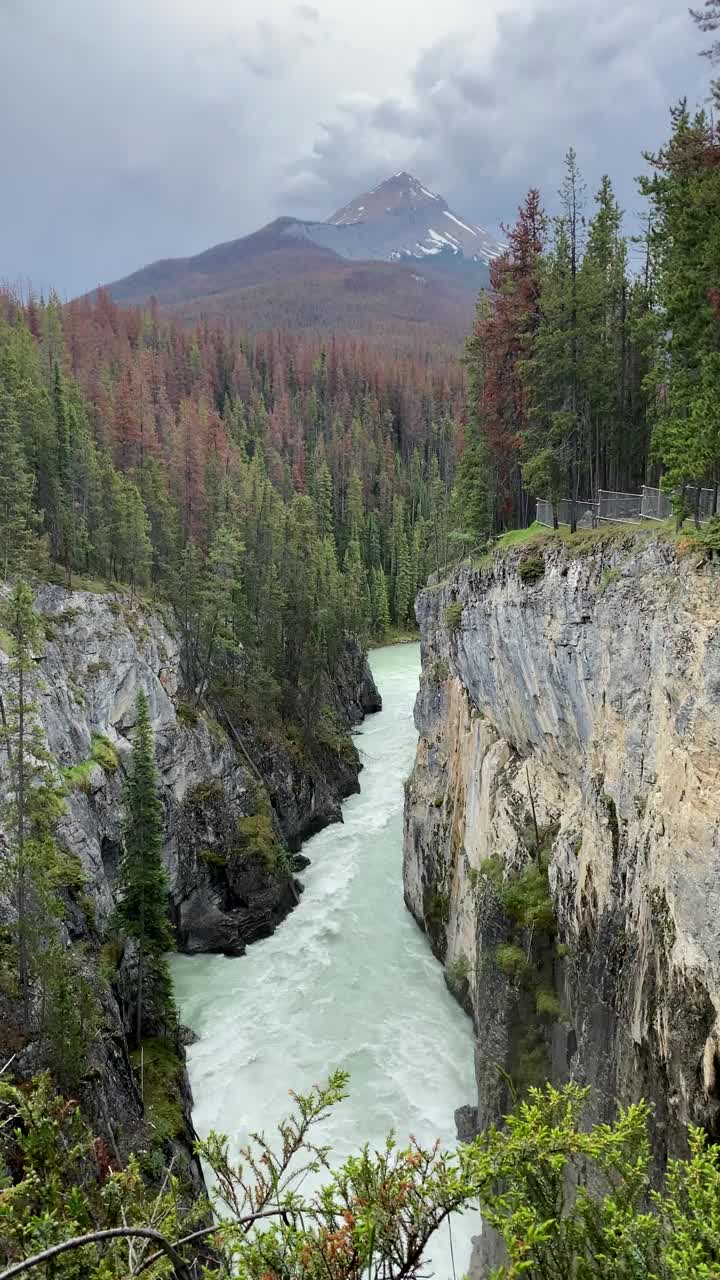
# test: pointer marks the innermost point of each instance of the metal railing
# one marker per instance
(614, 507)
(585, 513)
(656, 504)
(619, 508)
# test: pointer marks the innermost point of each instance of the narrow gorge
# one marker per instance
(238, 798)
(347, 982)
(562, 833)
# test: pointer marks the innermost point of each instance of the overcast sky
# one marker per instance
(137, 129)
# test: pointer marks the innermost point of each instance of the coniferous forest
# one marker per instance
(593, 364)
(278, 492)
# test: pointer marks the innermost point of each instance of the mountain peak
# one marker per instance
(400, 218)
(402, 191)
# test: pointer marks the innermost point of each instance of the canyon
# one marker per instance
(238, 801)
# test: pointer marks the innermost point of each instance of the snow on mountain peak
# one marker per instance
(401, 218)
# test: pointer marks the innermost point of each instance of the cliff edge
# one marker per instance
(562, 823)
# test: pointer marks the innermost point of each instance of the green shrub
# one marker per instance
(331, 735)
(77, 776)
(531, 1060)
(607, 577)
(186, 714)
(531, 569)
(258, 839)
(460, 969)
(452, 616)
(213, 857)
(437, 910)
(111, 953)
(98, 668)
(547, 1004)
(205, 794)
(104, 753)
(67, 870)
(439, 671)
(527, 900)
(89, 909)
(7, 644)
(215, 729)
(162, 1093)
(710, 536)
(510, 959)
(492, 869)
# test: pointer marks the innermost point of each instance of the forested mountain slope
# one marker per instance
(396, 262)
(309, 478)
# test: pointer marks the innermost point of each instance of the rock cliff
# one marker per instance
(569, 721)
(238, 802)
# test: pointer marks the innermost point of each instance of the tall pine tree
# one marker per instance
(142, 883)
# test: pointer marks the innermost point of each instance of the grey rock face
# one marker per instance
(100, 651)
(596, 688)
(229, 883)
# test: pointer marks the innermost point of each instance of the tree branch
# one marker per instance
(206, 1231)
(182, 1271)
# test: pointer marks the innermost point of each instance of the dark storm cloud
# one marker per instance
(486, 120)
(134, 132)
(156, 128)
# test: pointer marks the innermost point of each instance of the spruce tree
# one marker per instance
(684, 193)
(380, 609)
(142, 883)
(17, 518)
(23, 626)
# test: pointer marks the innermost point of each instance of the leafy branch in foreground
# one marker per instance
(570, 1203)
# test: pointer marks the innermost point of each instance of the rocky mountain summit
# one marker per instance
(401, 218)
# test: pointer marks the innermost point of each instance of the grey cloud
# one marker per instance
(151, 134)
(266, 52)
(159, 127)
(485, 121)
(307, 12)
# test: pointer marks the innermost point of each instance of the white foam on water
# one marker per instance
(348, 980)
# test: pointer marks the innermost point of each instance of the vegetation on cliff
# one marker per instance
(72, 1213)
(142, 884)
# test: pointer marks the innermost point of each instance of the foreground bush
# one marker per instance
(66, 1212)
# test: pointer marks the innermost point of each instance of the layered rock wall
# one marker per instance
(587, 683)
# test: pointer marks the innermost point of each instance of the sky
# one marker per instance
(132, 130)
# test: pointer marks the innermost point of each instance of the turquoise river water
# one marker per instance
(348, 980)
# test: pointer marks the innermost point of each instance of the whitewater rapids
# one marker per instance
(348, 980)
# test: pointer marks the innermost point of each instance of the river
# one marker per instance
(348, 980)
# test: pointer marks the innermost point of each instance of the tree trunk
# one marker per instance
(138, 1008)
(23, 960)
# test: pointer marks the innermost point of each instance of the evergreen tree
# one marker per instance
(684, 193)
(35, 868)
(142, 883)
(18, 521)
(23, 626)
(380, 608)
